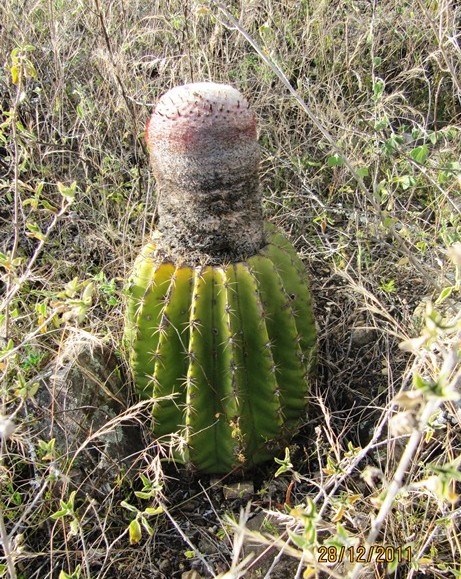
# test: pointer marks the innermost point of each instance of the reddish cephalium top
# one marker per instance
(195, 116)
(205, 157)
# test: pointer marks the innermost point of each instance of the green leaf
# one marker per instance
(135, 532)
(15, 74)
(405, 181)
(146, 525)
(129, 507)
(71, 287)
(335, 161)
(145, 481)
(34, 231)
(152, 511)
(70, 502)
(378, 89)
(341, 539)
(310, 533)
(450, 470)
(363, 172)
(443, 177)
(377, 60)
(88, 294)
(452, 132)
(388, 286)
(299, 540)
(424, 385)
(310, 509)
(48, 206)
(264, 28)
(422, 246)
(381, 124)
(59, 514)
(9, 347)
(67, 508)
(74, 575)
(47, 447)
(392, 566)
(420, 154)
(285, 463)
(142, 495)
(67, 192)
(444, 294)
(30, 70)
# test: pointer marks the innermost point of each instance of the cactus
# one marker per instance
(219, 320)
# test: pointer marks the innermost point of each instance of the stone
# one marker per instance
(240, 490)
(362, 336)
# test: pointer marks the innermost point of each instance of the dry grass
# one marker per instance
(359, 106)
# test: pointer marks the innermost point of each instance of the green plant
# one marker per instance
(74, 575)
(225, 348)
(150, 490)
(67, 512)
(388, 286)
(140, 521)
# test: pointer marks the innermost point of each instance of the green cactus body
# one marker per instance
(224, 352)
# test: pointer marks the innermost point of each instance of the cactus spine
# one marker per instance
(219, 319)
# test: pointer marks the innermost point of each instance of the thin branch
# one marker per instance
(5, 541)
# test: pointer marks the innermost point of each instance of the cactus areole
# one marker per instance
(219, 325)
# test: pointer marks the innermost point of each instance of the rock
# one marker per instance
(79, 402)
(241, 490)
(361, 336)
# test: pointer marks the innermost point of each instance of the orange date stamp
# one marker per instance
(375, 553)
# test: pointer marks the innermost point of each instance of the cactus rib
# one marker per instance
(210, 393)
